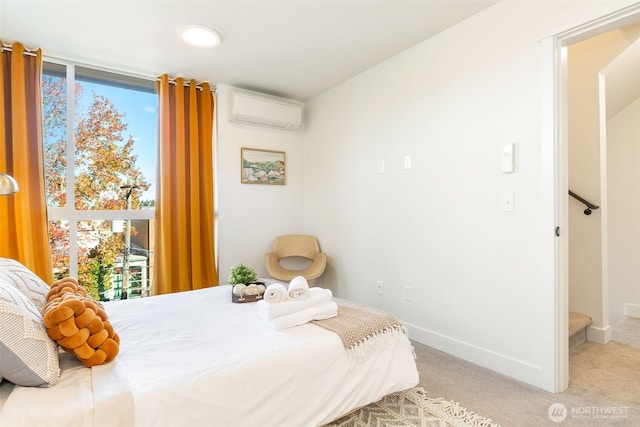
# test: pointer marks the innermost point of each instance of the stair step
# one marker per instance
(578, 324)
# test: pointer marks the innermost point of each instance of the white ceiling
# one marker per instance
(293, 48)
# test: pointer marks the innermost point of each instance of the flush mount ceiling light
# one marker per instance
(199, 35)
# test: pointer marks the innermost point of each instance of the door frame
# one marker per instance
(559, 44)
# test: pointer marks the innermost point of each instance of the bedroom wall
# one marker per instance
(481, 278)
(251, 215)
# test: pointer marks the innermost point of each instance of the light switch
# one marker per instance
(380, 167)
(407, 293)
(507, 202)
(507, 158)
(407, 162)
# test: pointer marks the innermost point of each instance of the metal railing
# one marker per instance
(589, 205)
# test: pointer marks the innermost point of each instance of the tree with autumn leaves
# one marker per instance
(104, 162)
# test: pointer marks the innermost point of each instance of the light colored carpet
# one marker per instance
(577, 329)
(577, 321)
(413, 408)
(597, 389)
(604, 386)
(610, 372)
(627, 331)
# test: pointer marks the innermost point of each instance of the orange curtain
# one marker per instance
(23, 215)
(184, 229)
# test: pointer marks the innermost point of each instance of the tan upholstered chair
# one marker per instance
(295, 245)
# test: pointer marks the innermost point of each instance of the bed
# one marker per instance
(195, 358)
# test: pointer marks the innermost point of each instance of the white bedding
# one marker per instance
(195, 358)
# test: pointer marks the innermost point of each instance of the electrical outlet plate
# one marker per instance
(407, 293)
(508, 202)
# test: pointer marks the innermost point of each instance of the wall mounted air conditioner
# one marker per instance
(263, 110)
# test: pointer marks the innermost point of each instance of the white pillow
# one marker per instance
(12, 273)
(28, 357)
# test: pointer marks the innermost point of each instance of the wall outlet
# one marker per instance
(379, 287)
(407, 293)
(507, 202)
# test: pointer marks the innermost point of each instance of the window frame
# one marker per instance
(69, 212)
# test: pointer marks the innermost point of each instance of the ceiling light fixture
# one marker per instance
(199, 35)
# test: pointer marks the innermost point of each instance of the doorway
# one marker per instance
(582, 269)
(602, 89)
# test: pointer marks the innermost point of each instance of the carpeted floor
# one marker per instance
(411, 408)
(610, 371)
(604, 386)
(604, 389)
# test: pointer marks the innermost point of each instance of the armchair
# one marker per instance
(295, 245)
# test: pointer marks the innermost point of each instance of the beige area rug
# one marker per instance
(411, 408)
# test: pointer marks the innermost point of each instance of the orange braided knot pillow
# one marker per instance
(79, 324)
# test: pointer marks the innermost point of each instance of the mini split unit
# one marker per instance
(263, 110)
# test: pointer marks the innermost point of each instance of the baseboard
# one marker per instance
(599, 335)
(632, 310)
(503, 364)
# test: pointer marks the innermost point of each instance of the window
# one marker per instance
(100, 142)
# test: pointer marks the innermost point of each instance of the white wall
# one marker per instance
(251, 215)
(482, 279)
(623, 158)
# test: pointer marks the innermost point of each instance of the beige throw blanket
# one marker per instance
(363, 329)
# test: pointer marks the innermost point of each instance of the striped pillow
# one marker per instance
(12, 273)
(28, 357)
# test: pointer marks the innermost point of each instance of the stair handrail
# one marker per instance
(589, 205)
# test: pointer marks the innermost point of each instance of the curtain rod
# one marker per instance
(4, 48)
(173, 82)
(66, 61)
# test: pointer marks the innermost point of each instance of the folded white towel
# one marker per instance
(275, 293)
(298, 288)
(317, 296)
(238, 289)
(318, 312)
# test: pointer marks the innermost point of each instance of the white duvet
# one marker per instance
(197, 359)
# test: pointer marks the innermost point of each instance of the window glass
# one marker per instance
(59, 242)
(54, 117)
(100, 151)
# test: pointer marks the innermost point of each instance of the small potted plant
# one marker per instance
(245, 288)
(242, 273)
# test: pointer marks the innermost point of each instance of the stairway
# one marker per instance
(578, 324)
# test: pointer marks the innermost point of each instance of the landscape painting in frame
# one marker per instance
(263, 166)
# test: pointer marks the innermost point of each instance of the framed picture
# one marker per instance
(263, 166)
